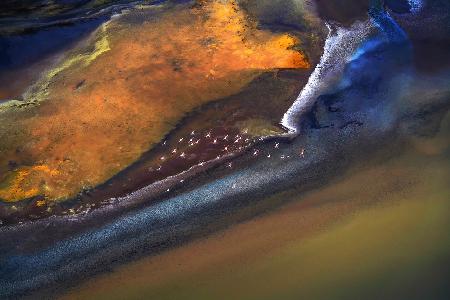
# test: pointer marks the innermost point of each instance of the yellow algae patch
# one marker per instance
(22, 183)
(105, 107)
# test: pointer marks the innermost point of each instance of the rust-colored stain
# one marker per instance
(100, 112)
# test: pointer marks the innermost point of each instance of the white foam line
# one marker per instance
(340, 44)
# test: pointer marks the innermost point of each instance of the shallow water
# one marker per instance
(225, 149)
(375, 232)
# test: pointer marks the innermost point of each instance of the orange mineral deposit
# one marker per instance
(117, 94)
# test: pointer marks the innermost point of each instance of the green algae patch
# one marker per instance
(259, 127)
(40, 91)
